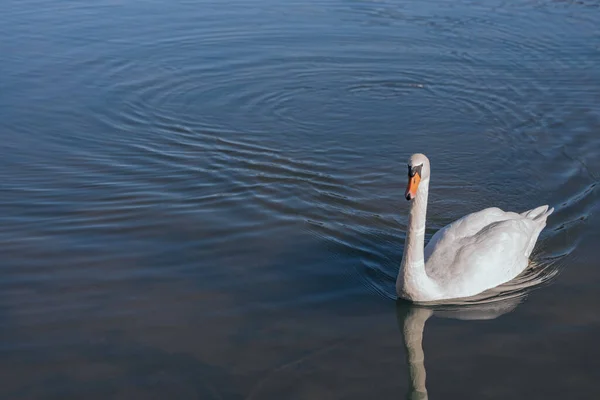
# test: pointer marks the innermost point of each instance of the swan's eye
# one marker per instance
(412, 171)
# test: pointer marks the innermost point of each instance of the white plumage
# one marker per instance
(474, 253)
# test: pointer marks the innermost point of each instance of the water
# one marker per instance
(204, 199)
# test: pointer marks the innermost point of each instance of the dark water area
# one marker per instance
(204, 199)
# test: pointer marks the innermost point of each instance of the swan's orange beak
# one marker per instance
(413, 185)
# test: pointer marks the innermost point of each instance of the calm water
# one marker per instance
(203, 199)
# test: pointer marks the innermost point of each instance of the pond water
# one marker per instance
(204, 199)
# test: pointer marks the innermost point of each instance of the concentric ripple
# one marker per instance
(256, 119)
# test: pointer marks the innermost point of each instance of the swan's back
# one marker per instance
(483, 249)
(468, 225)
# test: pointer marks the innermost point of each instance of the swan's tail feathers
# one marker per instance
(538, 214)
(543, 216)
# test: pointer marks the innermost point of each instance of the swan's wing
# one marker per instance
(467, 226)
(467, 265)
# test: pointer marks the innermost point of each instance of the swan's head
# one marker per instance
(418, 170)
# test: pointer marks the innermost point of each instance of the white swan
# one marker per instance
(474, 253)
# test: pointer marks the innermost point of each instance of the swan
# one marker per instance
(471, 255)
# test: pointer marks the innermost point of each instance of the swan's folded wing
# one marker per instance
(467, 226)
(484, 260)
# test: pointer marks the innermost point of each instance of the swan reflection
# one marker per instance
(411, 321)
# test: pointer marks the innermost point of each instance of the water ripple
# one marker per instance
(241, 128)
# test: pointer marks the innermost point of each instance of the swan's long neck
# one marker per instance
(413, 282)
